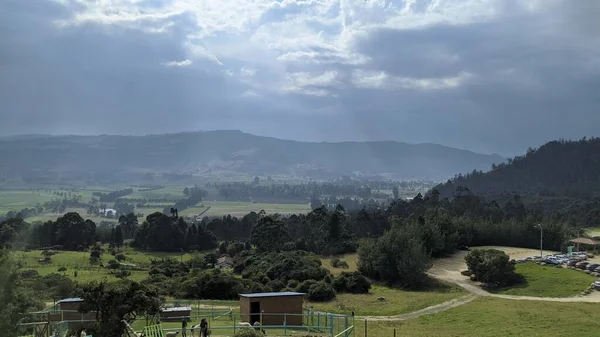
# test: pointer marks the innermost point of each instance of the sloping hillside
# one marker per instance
(558, 168)
(233, 151)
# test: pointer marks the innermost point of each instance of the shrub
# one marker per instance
(293, 284)
(62, 269)
(492, 266)
(276, 285)
(337, 263)
(113, 264)
(30, 273)
(321, 291)
(304, 287)
(120, 257)
(122, 273)
(355, 283)
(260, 278)
(248, 333)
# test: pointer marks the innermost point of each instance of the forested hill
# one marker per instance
(556, 169)
(216, 152)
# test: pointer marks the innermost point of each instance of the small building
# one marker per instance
(68, 310)
(225, 262)
(175, 314)
(108, 212)
(276, 308)
(589, 243)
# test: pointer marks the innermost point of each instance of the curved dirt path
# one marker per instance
(434, 309)
(448, 269)
(474, 289)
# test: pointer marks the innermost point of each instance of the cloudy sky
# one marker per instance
(485, 75)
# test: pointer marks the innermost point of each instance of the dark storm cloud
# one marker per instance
(533, 81)
(517, 79)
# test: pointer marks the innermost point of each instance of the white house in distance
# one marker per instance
(108, 212)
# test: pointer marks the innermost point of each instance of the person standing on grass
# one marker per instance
(183, 327)
(203, 328)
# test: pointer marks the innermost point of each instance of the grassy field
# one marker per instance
(15, 200)
(546, 281)
(172, 193)
(484, 317)
(351, 259)
(490, 317)
(238, 209)
(397, 301)
(85, 272)
(593, 231)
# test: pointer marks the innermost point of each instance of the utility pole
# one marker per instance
(541, 241)
(579, 237)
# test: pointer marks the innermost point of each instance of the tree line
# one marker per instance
(112, 196)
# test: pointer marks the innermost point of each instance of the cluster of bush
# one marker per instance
(286, 271)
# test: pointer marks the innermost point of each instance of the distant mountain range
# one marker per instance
(214, 153)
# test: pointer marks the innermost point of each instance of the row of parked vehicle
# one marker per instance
(571, 260)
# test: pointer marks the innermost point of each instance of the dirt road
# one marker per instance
(427, 311)
(448, 269)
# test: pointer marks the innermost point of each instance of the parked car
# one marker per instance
(597, 270)
(572, 263)
(597, 285)
(592, 266)
(551, 261)
(582, 265)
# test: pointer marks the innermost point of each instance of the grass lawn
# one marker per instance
(545, 281)
(239, 209)
(491, 317)
(351, 259)
(397, 301)
(16, 200)
(171, 193)
(79, 260)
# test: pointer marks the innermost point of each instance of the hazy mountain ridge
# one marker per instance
(557, 169)
(196, 152)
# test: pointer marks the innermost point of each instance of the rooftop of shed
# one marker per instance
(176, 309)
(71, 300)
(276, 294)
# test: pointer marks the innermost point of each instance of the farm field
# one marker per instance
(548, 281)
(15, 200)
(239, 209)
(492, 317)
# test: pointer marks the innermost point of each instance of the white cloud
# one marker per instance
(183, 63)
(249, 94)
(382, 80)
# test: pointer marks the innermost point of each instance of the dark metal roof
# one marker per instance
(71, 300)
(176, 309)
(279, 294)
